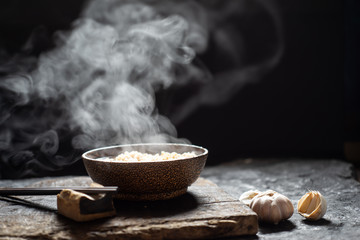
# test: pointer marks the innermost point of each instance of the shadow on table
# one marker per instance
(244, 237)
(27, 203)
(283, 226)
(321, 222)
(162, 208)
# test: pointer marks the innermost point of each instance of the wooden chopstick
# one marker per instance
(55, 190)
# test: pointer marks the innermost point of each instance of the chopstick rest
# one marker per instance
(82, 207)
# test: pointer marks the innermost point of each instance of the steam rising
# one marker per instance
(106, 78)
(97, 86)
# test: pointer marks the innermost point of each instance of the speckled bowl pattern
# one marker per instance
(146, 181)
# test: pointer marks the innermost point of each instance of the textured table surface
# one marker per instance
(293, 178)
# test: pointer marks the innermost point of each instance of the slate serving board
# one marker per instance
(204, 212)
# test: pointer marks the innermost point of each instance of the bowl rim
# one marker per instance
(144, 144)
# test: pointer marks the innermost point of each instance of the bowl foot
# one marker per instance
(150, 196)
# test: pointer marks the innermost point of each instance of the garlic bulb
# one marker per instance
(247, 197)
(272, 206)
(312, 205)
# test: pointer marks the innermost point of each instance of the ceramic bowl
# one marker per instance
(155, 180)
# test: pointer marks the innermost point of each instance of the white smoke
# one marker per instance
(97, 86)
(107, 71)
(220, 87)
(107, 78)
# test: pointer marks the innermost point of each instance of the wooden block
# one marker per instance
(204, 212)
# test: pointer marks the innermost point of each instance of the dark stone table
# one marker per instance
(293, 178)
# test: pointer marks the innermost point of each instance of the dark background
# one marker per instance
(298, 109)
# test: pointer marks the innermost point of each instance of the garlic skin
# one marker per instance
(312, 206)
(248, 196)
(272, 206)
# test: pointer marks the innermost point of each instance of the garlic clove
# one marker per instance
(304, 202)
(247, 197)
(312, 206)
